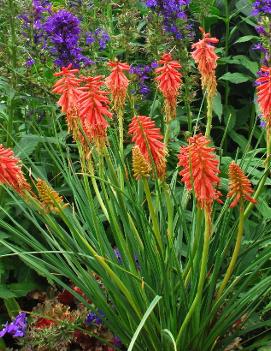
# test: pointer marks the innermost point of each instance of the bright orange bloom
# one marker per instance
(118, 83)
(264, 93)
(10, 171)
(148, 139)
(239, 185)
(205, 57)
(93, 109)
(169, 82)
(67, 88)
(200, 170)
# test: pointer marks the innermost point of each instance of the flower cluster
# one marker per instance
(263, 89)
(85, 105)
(169, 82)
(17, 328)
(174, 15)
(10, 171)
(96, 318)
(206, 59)
(149, 146)
(63, 30)
(118, 83)
(200, 170)
(239, 185)
(99, 36)
(262, 9)
(142, 75)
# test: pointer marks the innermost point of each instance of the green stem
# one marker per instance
(167, 133)
(235, 252)
(187, 270)
(13, 39)
(266, 173)
(153, 214)
(203, 269)
(209, 116)
(170, 217)
(120, 120)
(96, 189)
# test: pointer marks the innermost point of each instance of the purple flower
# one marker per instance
(17, 328)
(173, 13)
(261, 7)
(142, 77)
(63, 30)
(30, 62)
(116, 341)
(118, 255)
(94, 318)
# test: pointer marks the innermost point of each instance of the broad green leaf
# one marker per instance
(246, 38)
(235, 78)
(217, 105)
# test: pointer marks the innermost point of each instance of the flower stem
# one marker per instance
(266, 173)
(209, 116)
(120, 120)
(153, 214)
(203, 268)
(235, 252)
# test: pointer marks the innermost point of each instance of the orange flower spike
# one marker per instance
(93, 108)
(10, 171)
(239, 185)
(169, 82)
(148, 139)
(118, 83)
(200, 170)
(67, 87)
(264, 93)
(206, 59)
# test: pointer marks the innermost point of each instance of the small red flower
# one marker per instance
(169, 82)
(44, 323)
(10, 171)
(67, 87)
(239, 185)
(148, 138)
(200, 170)
(206, 59)
(264, 93)
(93, 109)
(118, 83)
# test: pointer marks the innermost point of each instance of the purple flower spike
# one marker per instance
(17, 328)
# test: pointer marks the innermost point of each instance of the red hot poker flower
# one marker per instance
(239, 185)
(148, 139)
(67, 88)
(206, 59)
(93, 108)
(200, 170)
(169, 82)
(118, 83)
(264, 93)
(10, 171)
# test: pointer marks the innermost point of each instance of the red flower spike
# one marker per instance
(93, 108)
(200, 170)
(10, 171)
(169, 82)
(148, 139)
(118, 83)
(239, 185)
(206, 59)
(264, 93)
(67, 87)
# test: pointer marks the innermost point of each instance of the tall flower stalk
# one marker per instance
(239, 190)
(206, 59)
(200, 174)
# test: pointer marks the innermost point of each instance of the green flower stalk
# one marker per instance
(205, 57)
(239, 190)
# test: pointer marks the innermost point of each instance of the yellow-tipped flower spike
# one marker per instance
(51, 201)
(141, 166)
